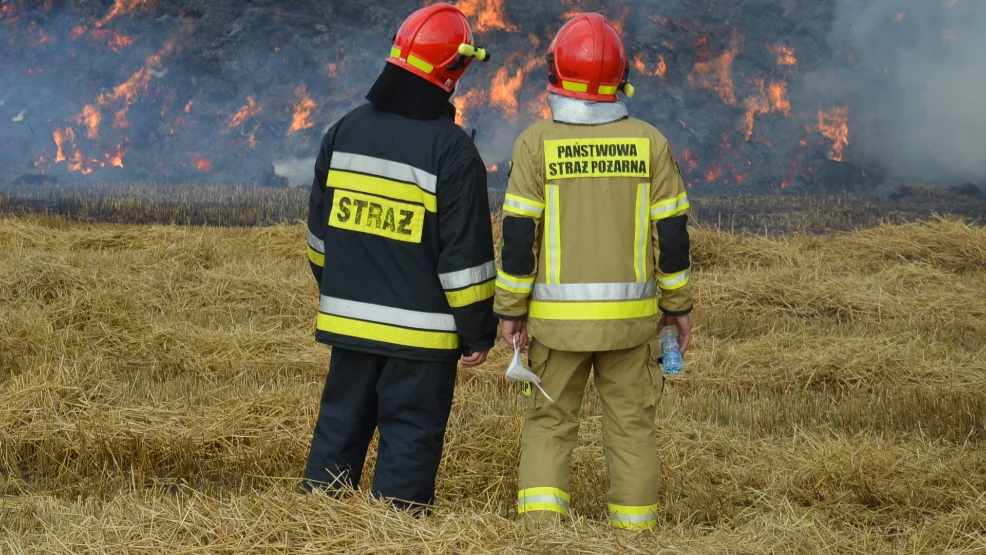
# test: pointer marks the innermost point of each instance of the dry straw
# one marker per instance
(159, 386)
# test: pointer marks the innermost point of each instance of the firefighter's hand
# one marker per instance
(684, 325)
(475, 359)
(516, 328)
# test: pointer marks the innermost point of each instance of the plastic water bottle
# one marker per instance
(670, 351)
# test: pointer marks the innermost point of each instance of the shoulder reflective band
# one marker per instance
(387, 169)
(595, 291)
(387, 324)
(668, 208)
(469, 276)
(674, 281)
(522, 206)
(617, 310)
(553, 234)
(514, 284)
(641, 232)
(543, 499)
(633, 518)
(316, 250)
(613, 157)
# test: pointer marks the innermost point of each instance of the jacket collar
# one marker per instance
(585, 112)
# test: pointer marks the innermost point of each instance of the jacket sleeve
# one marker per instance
(523, 208)
(317, 222)
(669, 217)
(466, 267)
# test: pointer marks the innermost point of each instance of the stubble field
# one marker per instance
(159, 384)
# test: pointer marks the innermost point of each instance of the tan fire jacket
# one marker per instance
(595, 242)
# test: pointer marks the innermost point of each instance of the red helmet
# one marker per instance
(436, 43)
(587, 60)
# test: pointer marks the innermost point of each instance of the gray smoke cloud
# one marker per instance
(919, 89)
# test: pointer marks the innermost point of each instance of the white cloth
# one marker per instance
(518, 373)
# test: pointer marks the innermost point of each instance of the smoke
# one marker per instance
(298, 172)
(918, 90)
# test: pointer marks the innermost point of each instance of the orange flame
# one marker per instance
(61, 137)
(785, 54)
(466, 101)
(716, 74)
(332, 69)
(116, 160)
(201, 164)
(249, 110)
(303, 110)
(899, 17)
(505, 85)
(773, 100)
(638, 64)
(124, 7)
(252, 138)
(188, 107)
(834, 125)
(540, 109)
(488, 15)
(662, 67)
(90, 118)
(492, 168)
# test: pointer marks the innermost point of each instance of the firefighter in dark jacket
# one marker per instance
(401, 244)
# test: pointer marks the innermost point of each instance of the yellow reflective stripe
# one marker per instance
(641, 232)
(523, 206)
(362, 183)
(633, 518)
(553, 225)
(470, 295)
(574, 87)
(387, 334)
(607, 89)
(514, 284)
(617, 310)
(419, 63)
(543, 499)
(395, 52)
(316, 257)
(671, 282)
(668, 208)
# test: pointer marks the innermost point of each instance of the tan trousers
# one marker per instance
(629, 383)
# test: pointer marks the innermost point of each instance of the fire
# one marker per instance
(772, 100)
(77, 32)
(90, 118)
(638, 64)
(114, 40)
(201, 164)
(899, 17)
(61, 136)
(541, 108)
(785, 54)
(188, 107)
(778, 97)
(669, 46)
(303, 110)
(332, 69)
(466, 101)
(660, 20)
(620, 20)
(249, 110)
(124, 7)
(716, 74)
(834, 125)
(662, 67)
(488, 15)
(713, 174)
(116, 160)
(492, 168)
(505, 85)
(252, 138)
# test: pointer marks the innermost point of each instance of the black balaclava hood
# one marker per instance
(404, 93)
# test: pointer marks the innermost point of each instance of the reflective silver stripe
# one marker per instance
(669, 207)
(584, 112)
(469, 276)
(513, 285)
(384, 168)
(595, 291)
(547, 498)
(315, 243)
(523, 206)
(643, 231)
(633, 519)
(553, 236)
(674, 279)
(387, 315)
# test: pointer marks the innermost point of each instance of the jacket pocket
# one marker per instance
(537, 357)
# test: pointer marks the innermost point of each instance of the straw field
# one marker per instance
(159, 384)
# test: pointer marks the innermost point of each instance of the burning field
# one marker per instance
(755, 96)
(160, 384)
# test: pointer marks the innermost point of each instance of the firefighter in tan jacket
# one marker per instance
(595, 262)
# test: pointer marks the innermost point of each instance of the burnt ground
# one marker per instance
(229, 205)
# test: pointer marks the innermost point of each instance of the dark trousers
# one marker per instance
(409, 401)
